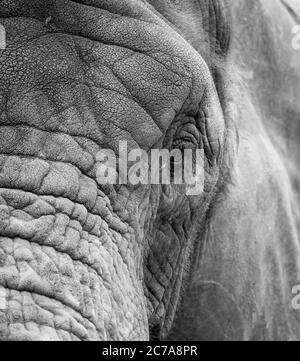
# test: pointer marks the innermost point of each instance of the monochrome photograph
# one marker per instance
(150, 173)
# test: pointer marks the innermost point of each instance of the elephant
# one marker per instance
(81, 260)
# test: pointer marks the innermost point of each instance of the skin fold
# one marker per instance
(84, 261)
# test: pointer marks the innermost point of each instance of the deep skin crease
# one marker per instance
(83, 261)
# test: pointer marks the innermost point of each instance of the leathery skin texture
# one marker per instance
(84, 261)
(80, 261)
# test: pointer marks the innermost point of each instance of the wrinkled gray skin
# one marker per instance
(80, 261)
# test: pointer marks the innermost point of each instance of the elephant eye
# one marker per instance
(183, 134)
(193, 132)
(187, 135)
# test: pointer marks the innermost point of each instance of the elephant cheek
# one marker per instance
(67, 270)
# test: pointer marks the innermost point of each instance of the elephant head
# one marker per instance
(80, 260)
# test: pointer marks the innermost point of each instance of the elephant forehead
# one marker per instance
(130, 73)
(158, 66)
(46, 83)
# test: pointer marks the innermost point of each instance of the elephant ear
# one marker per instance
(208, 313)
